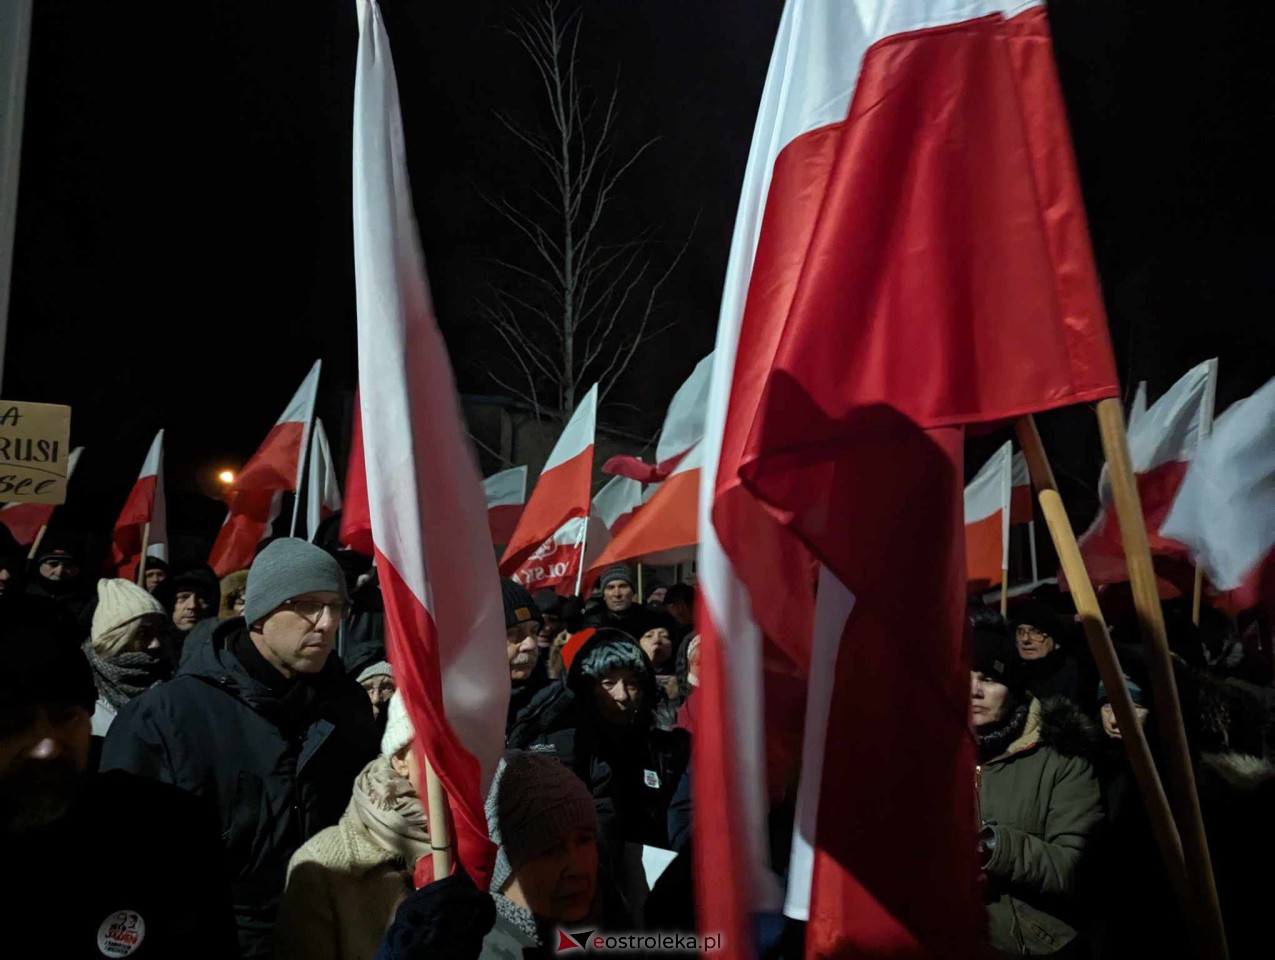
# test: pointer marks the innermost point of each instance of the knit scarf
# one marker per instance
(520, 918)
(388, 807)
(994, 739)
(123, 676)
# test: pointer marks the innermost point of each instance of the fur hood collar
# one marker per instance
(1057, 723)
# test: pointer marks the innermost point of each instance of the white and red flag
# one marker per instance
(562, 491)
(506, 496)
(256, 496)
(1225, 509)
(323, 493)
(444, 617)
(910, 255)
(1162, 440)
(683, 428)
(988, 506)
(1020, 494)
(145, 504)
(581, 539)
(24, 520)
(666, 529)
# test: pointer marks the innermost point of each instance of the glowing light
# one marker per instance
(227, 477)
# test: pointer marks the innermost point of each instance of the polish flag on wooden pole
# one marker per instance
(1224, 512)
(257, 493)
(987, 518)
(145, 507)
(506, 496)
(1162, 440)
(323, 493)
(444, 618)
(562, 491)
(910, 255)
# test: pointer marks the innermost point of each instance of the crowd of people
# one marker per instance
(224, 769)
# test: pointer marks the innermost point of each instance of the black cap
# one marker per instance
(40, 650)
(519, 607)
(200, 580)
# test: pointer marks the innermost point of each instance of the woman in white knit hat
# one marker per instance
(346, 882)
(126, 648)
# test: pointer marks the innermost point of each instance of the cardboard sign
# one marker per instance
(35, 452)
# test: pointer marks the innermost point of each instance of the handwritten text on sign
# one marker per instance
(34, 451)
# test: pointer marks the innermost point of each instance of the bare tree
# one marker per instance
(580, 309)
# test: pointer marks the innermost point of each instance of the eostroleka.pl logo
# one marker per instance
(596, 941)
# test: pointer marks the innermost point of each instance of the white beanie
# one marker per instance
(398, 728)
(120, 603)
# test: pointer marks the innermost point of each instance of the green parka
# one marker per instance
(1040, 802)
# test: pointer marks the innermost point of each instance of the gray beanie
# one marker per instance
(534, 800)
(612, 574)
(286, 569)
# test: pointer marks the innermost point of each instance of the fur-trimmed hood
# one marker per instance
(1058, 723)
(1242, 772)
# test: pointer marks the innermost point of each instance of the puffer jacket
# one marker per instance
(1041, 801)
(278, 772)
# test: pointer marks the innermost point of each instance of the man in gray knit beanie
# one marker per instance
(293, 604)
(542, 817)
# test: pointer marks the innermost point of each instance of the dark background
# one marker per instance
(183, 248)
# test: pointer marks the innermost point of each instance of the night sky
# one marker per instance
(183, 249)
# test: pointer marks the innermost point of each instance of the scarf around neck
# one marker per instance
(388, 807)
(520, 918)
(995, 739)
(122, 676)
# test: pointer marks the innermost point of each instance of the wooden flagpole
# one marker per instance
(1168, 709)
(35, 544)
(440, 842)
(141, 563)
(641, 589)
(1198, 595)
(1004, 593)
(1104, 654)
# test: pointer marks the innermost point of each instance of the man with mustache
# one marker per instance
(65, 828)
(263, 721)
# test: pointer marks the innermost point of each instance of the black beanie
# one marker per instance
(1039, 614)
(40, 650)
(993, 654)
(519, 607)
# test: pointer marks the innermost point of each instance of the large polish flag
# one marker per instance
(323, 493)
(24, 520)
(683, 428)
(1225, 509)
(506, 496)
(910, 255)
(444, 617)
(562, 492)
(145, 504)
(1162, 440)
(988, 505)
(666, 530)
(557, 563)
(257, 494)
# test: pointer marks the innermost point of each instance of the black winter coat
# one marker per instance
(279, 768)
(631, 772)
(133, 863)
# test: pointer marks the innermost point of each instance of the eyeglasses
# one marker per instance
(312, 610)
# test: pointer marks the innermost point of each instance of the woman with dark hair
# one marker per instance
(1039, 803)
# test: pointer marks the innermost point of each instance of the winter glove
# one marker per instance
(446, 920)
